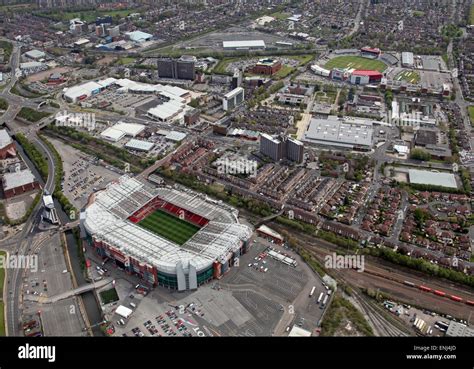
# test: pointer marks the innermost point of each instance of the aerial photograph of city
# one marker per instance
(237, 169)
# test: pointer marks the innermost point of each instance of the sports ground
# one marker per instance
(169, 227)
(356, 62)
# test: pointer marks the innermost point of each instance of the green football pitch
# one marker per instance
(170, 227)
(356, 62)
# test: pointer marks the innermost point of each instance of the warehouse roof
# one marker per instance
(113, 134)
(139, 145)
(432, 178)
(130, 129)
(243, 44)
(175, 136)
(35, 54)
(17, 179)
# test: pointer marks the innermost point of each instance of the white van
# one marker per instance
(133, 305)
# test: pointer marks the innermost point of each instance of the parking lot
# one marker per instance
(81, 174)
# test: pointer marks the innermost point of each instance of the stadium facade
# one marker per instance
(111, 219)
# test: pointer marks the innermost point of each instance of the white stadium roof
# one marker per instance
(107, 220)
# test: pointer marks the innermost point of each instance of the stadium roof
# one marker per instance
(432, 178)
(139, 145)
(370, 73)
(106, 218)
(243, 44)
(17, 179)
(5, 138)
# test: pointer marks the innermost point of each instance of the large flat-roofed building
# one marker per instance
(182, 68)
(363, 77)
(407, 59)
(342, 133)
(425, 177)
(19, 182)
(233, 98)
(250, 44)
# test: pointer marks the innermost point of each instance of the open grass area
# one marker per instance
(280, 15)
(409, 76)
(32, 115)
(125, 61)
(340, 315)
(109, 296)
(3, 104)
(356, 62)
(471, 114)
(169, 227)
(471, 15)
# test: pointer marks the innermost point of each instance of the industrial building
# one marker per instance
(35, 54)
(182, 68)
(425, 177)
(139, 36)
(19, 182)
(407, 59)
(342, 133)
(139, 145)
(120, 130)
(233, 99)
(244, 45)
(112, 219)
(281, 148)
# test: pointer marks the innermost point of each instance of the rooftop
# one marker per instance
(17, 179)
(432, 178)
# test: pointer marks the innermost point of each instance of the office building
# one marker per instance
(182, 68)
(233, 99)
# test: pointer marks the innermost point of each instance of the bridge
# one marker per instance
(75, 292)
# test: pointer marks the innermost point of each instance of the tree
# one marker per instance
(420, 154)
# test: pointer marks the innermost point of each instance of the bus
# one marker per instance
(320, 297)
(312, 291)
(325, 300)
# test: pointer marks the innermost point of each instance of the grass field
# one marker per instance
(109, 296)
(88, 15)
(169, 227)
(409, 76)
(356, 62)
(471, 15)
(471, 114)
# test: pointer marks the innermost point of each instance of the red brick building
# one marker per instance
(267, 67)
(7, 146)
(19, 182)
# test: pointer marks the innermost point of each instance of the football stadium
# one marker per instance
(169, 236)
